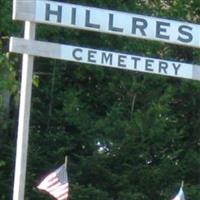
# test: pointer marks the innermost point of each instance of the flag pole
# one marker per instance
(66, 159)
(182, 184)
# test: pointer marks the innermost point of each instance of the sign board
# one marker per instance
(108, 21)
(105, 58)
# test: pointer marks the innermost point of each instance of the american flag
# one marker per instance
(56, 184)
(180, 195)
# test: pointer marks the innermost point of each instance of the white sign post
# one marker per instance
(24, 116)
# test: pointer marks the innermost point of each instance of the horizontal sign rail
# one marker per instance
(108, 21)
(105, 58)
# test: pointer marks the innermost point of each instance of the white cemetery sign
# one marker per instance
(105, 58)
(108, 21)
(94, 19)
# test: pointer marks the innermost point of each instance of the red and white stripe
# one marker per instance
(55, 185)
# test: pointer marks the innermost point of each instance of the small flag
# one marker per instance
(180, 195)
(56, 184)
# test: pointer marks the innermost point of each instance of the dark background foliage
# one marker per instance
(128, 135)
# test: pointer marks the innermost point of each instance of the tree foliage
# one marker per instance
(128, 135)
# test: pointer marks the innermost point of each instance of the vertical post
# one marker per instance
(182, 184)
(24, 116)
(66, 159)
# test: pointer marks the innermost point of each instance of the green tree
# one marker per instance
(128, 135)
